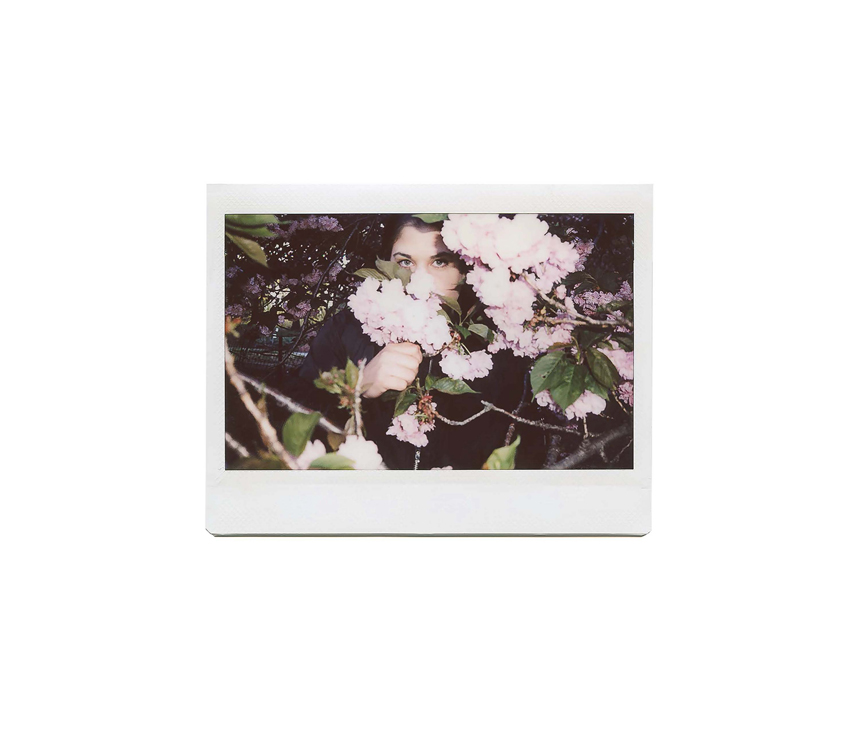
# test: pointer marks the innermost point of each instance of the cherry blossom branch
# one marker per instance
(588, 448)
(576, 317)
(267, 432)
(288, 403)
(465, 421)
(236, 446)
(509, 435)
(530, 422)
(358, 389)
(491, 407)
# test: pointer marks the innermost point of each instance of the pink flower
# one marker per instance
(422, 285)
(389, 315)
(408, 428)
(466, 367)
(623, 360)
(626, 391)
(587, 403)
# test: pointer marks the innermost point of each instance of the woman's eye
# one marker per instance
(406, 263)
(439, 263)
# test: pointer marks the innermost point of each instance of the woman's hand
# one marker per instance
(394, 368)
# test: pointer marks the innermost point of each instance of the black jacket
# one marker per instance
(460, 447)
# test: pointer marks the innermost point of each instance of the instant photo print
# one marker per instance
(429, 360)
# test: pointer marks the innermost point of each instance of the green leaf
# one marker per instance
(482, 331)
(464, 333)
(431, 217)
(429, 382)
(570, 386)
(373, 273)
(249, 220)
(602, 368)
(332, 461)
(250, 225)
(451, 303)
(389, 395)
(352, 373)
(626, 340)
(405, 399)
(452, 386)
(586, 337)
(334, 440)
(503, 458)
(543, 369)
(251, 248)
(592, 385)
(393, 271)
(297, 431)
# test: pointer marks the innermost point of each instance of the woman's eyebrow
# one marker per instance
(399, 253)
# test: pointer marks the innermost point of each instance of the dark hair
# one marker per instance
(394, 226)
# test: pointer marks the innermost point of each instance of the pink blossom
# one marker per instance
(517, 243)
(623, 360)
(389, 315)
(626, 391)
(408, 428)
(421, 285)
(466, 367)
(587, 403)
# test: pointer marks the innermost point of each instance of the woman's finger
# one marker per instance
(403, 359)
(402, 371)
(411, 349)
(394, 383)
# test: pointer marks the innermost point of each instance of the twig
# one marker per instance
(288, 403)
(491, 407)
(620, 453)
(358, 388)
(577, 317)
(539, 424)
(267, 431)
(587, 449)
(236, 446)
(465, 421)
(509, 435)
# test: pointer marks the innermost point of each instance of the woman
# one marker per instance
(416, 246)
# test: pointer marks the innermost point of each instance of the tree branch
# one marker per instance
(588, 448)
(492, 407)
(236, 446)
(288, 403)
(267, 432)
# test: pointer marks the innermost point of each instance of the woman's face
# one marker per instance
(425, 251)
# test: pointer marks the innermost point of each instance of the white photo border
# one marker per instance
(421, 503)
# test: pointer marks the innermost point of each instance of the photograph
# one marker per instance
(429, 341)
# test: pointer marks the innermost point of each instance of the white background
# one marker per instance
(122, 612)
